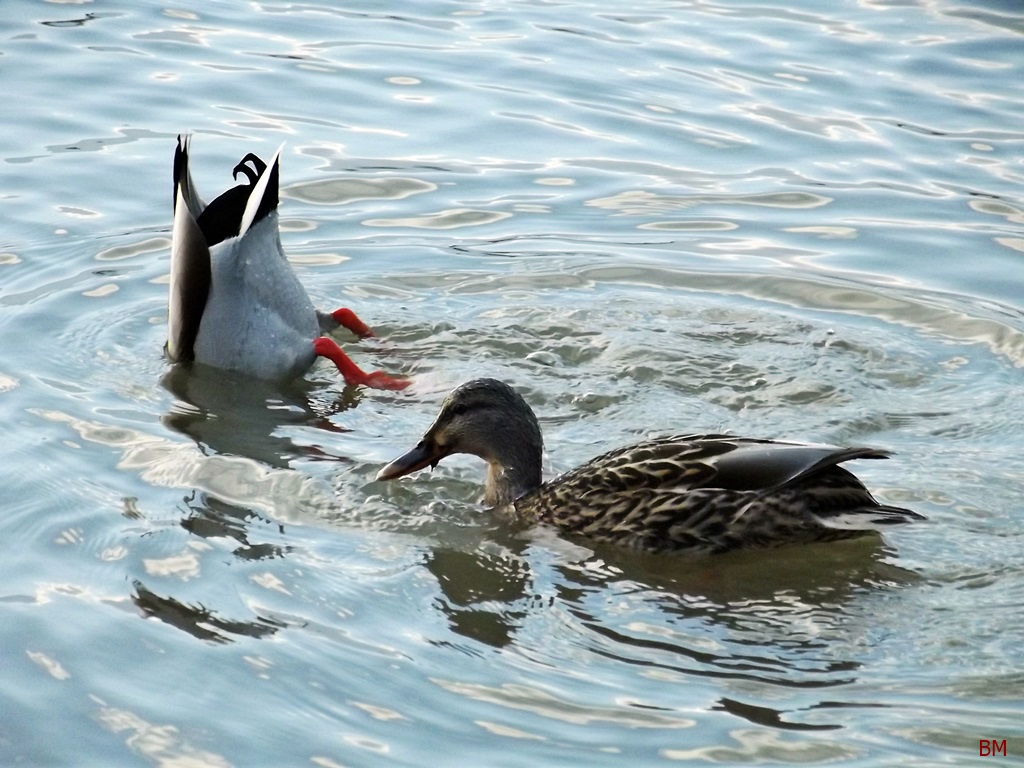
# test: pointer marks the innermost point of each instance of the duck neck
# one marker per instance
(512, 473)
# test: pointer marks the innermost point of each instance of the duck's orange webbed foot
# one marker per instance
(353, 374)
(381, 380)
(347, 318)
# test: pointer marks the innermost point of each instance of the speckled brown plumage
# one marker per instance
(694, 493)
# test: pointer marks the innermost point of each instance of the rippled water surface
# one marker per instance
(796, 220)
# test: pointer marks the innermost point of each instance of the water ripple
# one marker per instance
(796, 222)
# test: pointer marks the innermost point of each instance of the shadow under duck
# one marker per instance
(690, 493)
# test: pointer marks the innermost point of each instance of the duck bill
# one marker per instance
(427, 453)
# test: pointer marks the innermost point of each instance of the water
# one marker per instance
(778, 220)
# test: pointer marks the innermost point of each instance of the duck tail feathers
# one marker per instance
(190, 277)
(876, 518)
(183, 179)
(263, 198)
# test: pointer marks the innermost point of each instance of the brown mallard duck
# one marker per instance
(694, 493)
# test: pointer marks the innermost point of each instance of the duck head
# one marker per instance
(485, 418)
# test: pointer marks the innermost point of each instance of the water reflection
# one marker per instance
(755, 623)
(483, 593)
(80, 22)
(766, 716)
(197, 620)
(231, 415)
(790, 597)
(212, 518)
(818, 574)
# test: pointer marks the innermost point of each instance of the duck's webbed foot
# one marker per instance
(346, 318)
(381, 380)
(353, 374)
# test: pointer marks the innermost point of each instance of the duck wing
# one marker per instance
(686, 462)
(190, 262)
(747, 464)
